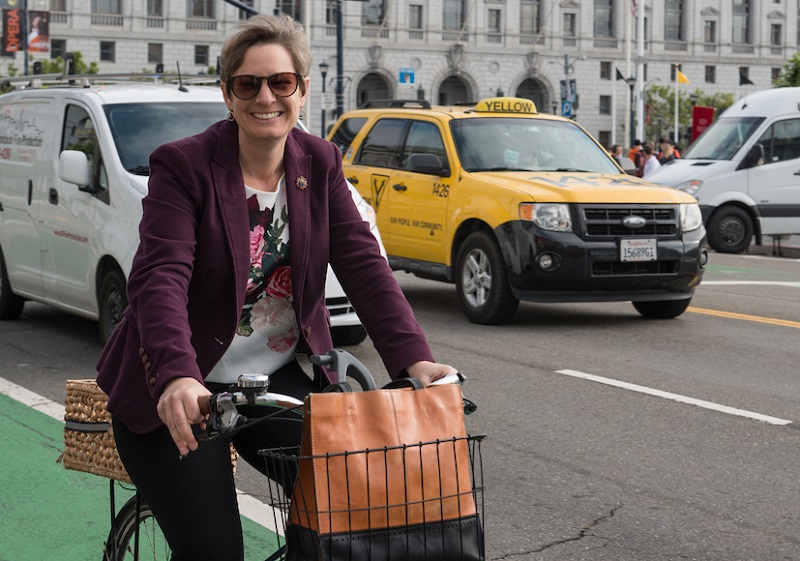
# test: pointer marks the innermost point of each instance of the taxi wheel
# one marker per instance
(10, 304)
(666, 309)
(348, 336)
(112, 302)
(482, 283)
(730, 230)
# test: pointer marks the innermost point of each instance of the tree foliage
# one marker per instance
(661, 102)
(790, 75)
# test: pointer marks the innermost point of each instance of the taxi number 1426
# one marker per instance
(441, 190)
(638, 250)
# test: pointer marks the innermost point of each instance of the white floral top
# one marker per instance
(267, 334)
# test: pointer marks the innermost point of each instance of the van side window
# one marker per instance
(80, 134)
(781, 141)
(383, 145)
(424, 138)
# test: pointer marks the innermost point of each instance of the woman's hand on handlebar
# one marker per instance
(179, 409)
(427, 372)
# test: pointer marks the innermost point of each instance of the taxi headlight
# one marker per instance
(548, 216)
(691, 218)
(692, 186)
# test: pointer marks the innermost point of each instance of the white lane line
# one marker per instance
(753, 283)
(676, 397)
(249, 506)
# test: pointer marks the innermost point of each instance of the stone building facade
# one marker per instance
(453, 51)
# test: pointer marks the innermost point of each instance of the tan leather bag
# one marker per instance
(385, 470)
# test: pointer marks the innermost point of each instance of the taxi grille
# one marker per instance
(605, 221)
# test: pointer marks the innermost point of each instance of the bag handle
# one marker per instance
(399, 383)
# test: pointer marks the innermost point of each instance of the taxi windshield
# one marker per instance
(140, 128)
(723, 139)
(512, 144)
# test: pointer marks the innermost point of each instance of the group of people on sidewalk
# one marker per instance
(647, 156)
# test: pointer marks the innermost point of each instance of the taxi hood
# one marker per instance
(582, 187)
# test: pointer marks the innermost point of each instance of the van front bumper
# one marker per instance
(546, 266)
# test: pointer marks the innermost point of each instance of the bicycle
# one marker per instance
(135, 534)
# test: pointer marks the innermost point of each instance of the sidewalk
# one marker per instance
(53, 513)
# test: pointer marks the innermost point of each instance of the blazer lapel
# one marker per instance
(232, 204)
(297, 167)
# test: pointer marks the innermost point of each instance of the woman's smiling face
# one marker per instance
(266, 116)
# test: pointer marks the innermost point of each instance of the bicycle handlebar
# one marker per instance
(225, 420)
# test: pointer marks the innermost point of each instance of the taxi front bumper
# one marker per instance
(546, 266)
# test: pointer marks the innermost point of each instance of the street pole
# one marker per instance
(323, 69)
(339, 60)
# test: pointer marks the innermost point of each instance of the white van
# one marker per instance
(74, 166)
(745, 170)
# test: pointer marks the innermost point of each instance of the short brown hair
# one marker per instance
(265, 30)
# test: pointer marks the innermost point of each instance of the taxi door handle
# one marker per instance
(399, 187)
(353, 180)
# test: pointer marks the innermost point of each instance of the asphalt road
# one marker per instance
(610, 437)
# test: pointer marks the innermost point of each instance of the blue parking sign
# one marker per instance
(566, 109)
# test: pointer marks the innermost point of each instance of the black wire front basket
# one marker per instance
(412, 502)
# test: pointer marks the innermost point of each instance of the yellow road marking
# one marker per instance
(745, 317)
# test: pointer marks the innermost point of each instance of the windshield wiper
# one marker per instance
(139, 170)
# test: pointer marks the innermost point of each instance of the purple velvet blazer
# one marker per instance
(187, 284)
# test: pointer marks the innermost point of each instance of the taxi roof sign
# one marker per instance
(506, 105)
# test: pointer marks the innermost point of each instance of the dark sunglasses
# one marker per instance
(282, 84)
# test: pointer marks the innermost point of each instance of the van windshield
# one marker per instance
(140, 128)
(723, 139)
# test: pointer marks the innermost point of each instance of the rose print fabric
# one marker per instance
(267, 333)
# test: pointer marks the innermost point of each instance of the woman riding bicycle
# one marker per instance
(237, 231)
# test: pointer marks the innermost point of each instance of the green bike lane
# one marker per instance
(48, 512)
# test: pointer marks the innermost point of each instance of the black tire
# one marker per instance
(730, 230)
(10, 304)
(482, 281)
(111, 302)
(348, 336)
(121, 542)
(665, 309)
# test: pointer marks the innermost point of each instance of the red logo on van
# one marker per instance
(5, 153)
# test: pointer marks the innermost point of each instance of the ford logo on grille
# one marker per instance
(634, 221)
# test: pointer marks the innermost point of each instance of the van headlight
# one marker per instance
(691, 217)
(692, 186)
(547, 216)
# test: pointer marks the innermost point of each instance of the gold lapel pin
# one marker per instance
(301, 183)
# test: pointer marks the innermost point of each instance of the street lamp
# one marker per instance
(323, 69)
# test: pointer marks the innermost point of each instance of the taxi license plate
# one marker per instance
(637, 250)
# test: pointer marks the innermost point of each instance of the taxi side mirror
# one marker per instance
(429, 164)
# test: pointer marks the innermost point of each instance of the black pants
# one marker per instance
(194, 499)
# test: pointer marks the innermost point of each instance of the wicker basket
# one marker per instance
(88, 437)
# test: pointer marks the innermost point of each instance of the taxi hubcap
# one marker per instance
(477, 276)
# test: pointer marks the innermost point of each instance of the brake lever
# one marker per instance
(224, 418)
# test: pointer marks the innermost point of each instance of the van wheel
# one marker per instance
(666, 309)
(482, 282)
(10, 304)
(112, 302)
(730, 230)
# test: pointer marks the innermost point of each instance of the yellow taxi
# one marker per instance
(512, 205)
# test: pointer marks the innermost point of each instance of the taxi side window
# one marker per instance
(346, 132)
(383, 145)
(424, 138)
(781, 141)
